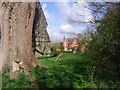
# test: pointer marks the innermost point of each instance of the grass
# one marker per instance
(20, 82)
(74, 71)
(49, 61)
(69, 73)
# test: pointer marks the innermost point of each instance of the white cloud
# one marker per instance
(58, 33)
(67, 28)
(54, 33)
(72, 12)
(48, 15)
(78, 12)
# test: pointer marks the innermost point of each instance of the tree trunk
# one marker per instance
(17, 25)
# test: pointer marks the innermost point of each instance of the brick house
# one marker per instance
(70, 44)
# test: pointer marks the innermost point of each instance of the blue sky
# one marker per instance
(54, 11)
(60, 17)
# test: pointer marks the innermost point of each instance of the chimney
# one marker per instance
(63, 38)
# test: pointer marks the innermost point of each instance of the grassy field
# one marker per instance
(71, 72)
(67, 59)
(74, 71)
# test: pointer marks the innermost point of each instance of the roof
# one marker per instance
(70, 40)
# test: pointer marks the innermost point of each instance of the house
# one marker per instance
(73, 45)
(70, 44)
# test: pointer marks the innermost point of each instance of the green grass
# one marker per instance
(74, 71)
(49, 61)
(20, 82)
(69, 73)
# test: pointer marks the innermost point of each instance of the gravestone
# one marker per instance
(59, 58)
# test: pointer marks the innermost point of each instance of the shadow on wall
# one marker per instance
(40, 37)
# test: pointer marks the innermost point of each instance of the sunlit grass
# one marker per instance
(74, 71)
(69, 73)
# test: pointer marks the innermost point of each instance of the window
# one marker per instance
(66, 44)
(75, 44)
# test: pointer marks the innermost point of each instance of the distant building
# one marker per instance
(70, 44)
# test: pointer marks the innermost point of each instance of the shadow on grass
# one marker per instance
(69, 73)
(54, 55)
(74, 71)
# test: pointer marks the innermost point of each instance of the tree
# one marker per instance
(104, 46)
(56, 45)
(17, 24)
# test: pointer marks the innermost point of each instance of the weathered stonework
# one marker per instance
(41, 40)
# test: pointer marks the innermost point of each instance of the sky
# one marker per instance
(63, 18)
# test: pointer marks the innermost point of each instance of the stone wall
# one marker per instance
(41, 40)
